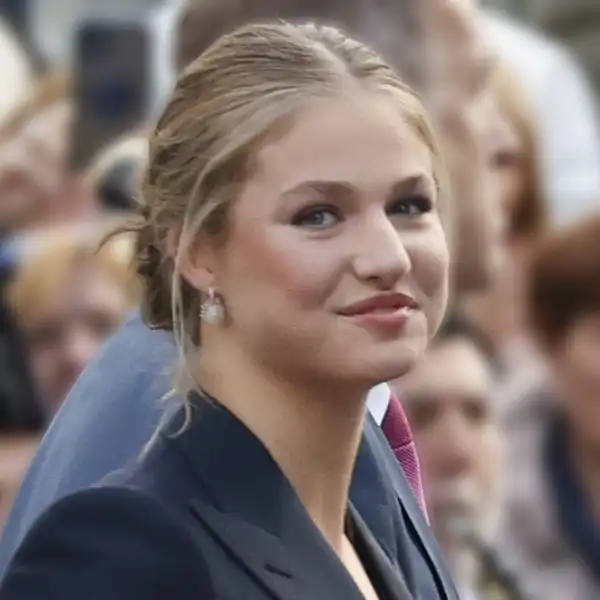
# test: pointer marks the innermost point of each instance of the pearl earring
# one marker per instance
(212, 310)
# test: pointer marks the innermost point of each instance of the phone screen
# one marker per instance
(112, 85)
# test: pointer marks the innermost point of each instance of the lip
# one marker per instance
(384, 310)
(379, 304)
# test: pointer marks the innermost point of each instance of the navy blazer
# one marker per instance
(112, 411)
(204, 514)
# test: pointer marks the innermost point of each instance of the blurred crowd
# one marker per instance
(505, 407)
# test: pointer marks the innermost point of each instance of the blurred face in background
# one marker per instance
(498, 142)
(78, 313)
(448, 402)
(36, 187)
(517, 163)
(474, 130)
(67, 295)
(497, 308)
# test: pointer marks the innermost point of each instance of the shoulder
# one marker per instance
(109, 542)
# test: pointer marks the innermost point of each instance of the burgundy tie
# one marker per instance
(396, 428)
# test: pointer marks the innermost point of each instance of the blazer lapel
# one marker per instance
(284, 569)
(388, 572)
(415, 517)
(243, 499)
(371, 495)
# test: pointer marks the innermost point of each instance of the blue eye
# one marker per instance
(414, 206)
(316, 218)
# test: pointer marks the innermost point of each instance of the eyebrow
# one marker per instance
(419, 183)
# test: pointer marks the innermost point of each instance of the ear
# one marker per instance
(194, 258)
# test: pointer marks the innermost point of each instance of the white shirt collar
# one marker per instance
(378, 401)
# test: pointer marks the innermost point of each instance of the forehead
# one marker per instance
(453, 367)
(84, 287)
(360, 138)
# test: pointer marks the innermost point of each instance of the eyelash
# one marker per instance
(422, 204)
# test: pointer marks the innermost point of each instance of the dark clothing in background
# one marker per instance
(575, 515)
(19, 408)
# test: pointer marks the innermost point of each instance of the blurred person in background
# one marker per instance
(16, 71)
(499, 311)
(36, 185)
(472, 132)
(550, 526)
(449, 402)
(67, 296)
(564, 112)
(453, 78)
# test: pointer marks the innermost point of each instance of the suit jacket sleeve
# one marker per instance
(107, 544)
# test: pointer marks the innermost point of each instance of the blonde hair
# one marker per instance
(243, 88)
(53, 253)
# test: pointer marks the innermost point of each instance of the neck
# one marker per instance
(312, 432)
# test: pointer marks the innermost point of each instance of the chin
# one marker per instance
(391, 363)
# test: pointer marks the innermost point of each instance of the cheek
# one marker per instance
(490, 456)
(276, 268)
(430, 265)
(44, 366)
(490, 466)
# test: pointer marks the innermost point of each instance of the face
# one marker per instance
(15, 453)
(487, 214)
(575, 365)
(341, 209)
(75, 320)
(481, 216)
(448, 402)
(35, 186)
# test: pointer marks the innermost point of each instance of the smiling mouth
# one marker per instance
(387, 311)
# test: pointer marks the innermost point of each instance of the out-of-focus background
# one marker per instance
(508, 398)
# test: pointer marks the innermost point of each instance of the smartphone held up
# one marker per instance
(113, 84)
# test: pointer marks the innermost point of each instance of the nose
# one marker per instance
(380, 254)
(454, 436)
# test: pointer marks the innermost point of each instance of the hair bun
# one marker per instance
(153, 271)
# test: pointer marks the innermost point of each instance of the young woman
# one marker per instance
(292, 239)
